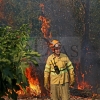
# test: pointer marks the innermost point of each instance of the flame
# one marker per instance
(45, 24)
(33, 81)
(45, 27)
(81, 85)
(34, 87)
(84, 85)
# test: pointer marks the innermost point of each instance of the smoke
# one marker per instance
(62, 22)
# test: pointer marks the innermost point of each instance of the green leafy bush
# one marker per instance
(15, 57)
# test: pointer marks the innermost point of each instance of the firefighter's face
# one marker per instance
(57, 50)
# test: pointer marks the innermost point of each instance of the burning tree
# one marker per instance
(15, 57)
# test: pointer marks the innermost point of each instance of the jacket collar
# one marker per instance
(53, 56)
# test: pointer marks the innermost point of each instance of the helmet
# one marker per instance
(55, 44)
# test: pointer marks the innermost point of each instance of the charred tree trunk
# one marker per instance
(85, 39)
(85, 47)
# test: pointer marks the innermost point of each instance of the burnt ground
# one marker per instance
(95, 97)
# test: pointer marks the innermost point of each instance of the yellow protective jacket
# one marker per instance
(64, 65)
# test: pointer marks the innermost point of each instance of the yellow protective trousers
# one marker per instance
(60, 91)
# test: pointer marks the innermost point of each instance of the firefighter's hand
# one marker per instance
(46, 83)
(72, 80)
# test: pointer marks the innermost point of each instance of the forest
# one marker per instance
(21, 30)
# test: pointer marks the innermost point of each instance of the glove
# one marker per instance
(46, 83)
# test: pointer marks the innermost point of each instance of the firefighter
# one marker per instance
(60, 71)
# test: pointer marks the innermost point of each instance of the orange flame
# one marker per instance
(34, 87)
(81, 85)
(33, 81)
(45, 27)
(45, 24)
(84, 85)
